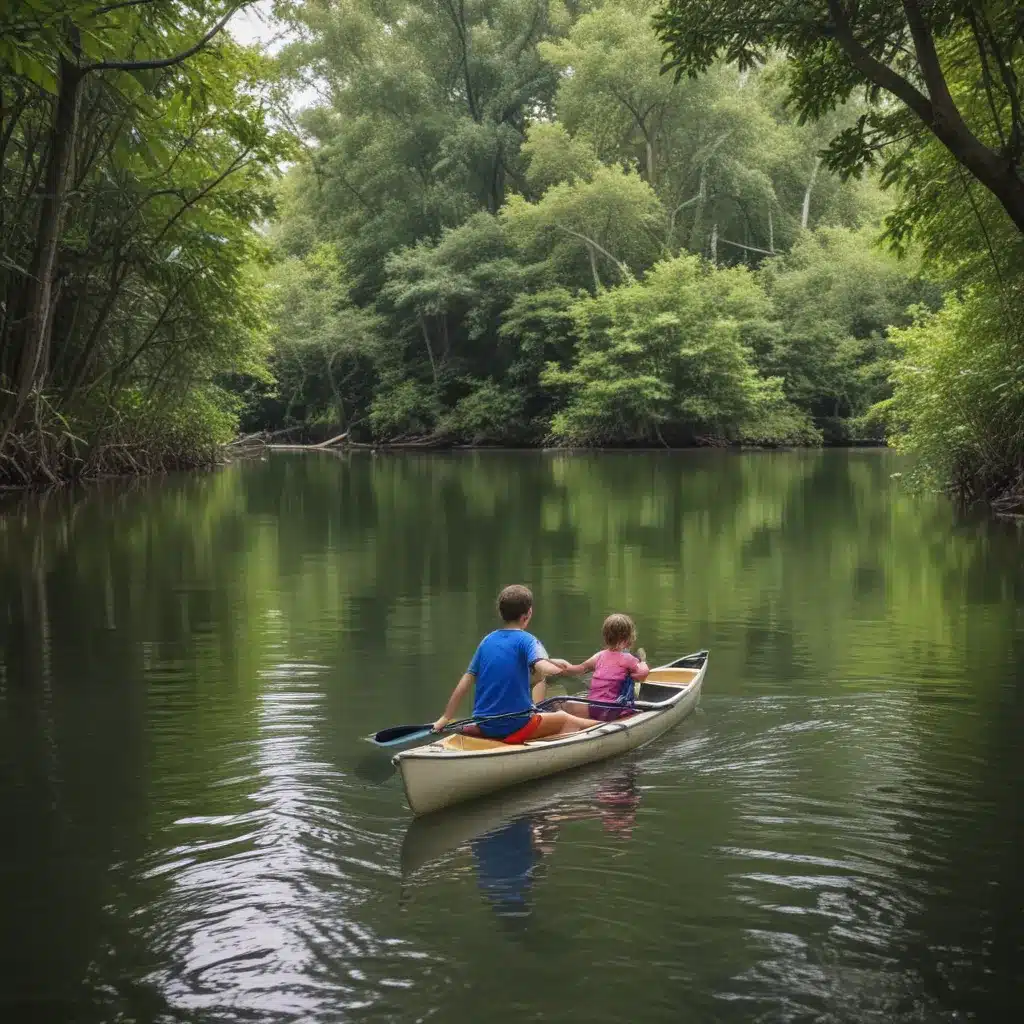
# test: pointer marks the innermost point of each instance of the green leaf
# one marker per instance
(39, 73)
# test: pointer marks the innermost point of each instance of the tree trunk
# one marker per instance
(993, 172)
(998, 174)
(35, 333)
(937, 111)
(430, 351)
(118, 272)
(806, 212)
(771, 231)
(497, 197)
(714, 243)
(593, 269)
(697, 234)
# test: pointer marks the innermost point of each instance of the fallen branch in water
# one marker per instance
(329, 443)
(248, 439)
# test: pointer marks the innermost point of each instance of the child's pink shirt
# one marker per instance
(611, 669)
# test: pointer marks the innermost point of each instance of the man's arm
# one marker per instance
(545, 667)
(462, 687)
(549, 666)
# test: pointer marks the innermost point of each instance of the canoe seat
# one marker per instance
(460, 742)
(673, 676)
(657, 692)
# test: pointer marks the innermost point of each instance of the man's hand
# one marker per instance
(440, 724)
(561, 663)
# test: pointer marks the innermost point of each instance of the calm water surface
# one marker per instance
(193, 828)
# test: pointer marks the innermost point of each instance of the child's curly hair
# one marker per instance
(619, 629)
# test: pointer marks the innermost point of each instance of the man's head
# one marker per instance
(515, 604)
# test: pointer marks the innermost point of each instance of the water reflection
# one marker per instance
(510, 836)
(506, 863)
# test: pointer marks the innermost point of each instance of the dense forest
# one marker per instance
(513, 222)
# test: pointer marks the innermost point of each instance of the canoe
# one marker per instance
(457, 768)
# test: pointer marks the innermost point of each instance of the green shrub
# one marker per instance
(664, 359)
(958, 401)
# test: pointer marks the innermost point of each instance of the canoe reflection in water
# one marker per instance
(509, 838)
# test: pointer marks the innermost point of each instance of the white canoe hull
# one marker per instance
(438, 775)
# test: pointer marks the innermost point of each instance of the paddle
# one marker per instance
(638, 705)
(397, 734)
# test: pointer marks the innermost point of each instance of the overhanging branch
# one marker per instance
(166, 62)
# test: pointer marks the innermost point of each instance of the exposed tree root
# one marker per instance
(47, 456)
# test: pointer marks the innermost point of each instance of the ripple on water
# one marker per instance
(258, 913)
(836, 817)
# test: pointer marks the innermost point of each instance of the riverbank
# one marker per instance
(306, 438)
(69, 465)
(40, 461)
(127, 461)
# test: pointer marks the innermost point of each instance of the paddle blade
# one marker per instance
(400, 734)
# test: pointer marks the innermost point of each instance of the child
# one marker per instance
(611, 667)
(501, 671)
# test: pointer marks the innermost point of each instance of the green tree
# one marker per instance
(325, 350)
(958, 402)
(735, 173)
(835, 297)
(664, 359)
(700, 145)
(429, 106)
(607, 227)
(553, 156)
(448, 296)
(497, 172)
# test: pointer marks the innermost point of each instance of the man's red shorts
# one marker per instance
(522, 735)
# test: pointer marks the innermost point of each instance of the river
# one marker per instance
(194, 828)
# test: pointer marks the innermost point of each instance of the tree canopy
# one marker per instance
(489, 177)
(913, 53)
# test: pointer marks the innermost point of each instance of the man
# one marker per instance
(501, 669)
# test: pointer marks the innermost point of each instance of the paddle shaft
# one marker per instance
(541, 708)
(639, 705)
(401, 732)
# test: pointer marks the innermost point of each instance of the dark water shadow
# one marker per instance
(374, 768)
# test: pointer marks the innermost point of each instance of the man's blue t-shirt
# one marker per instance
(502, 665)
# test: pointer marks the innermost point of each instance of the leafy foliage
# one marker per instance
(664, 359)
(911, 51)
(523, 201)
(959, 399)
(836, 296)
(324, 349)
(587, 231)
(137, 151)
